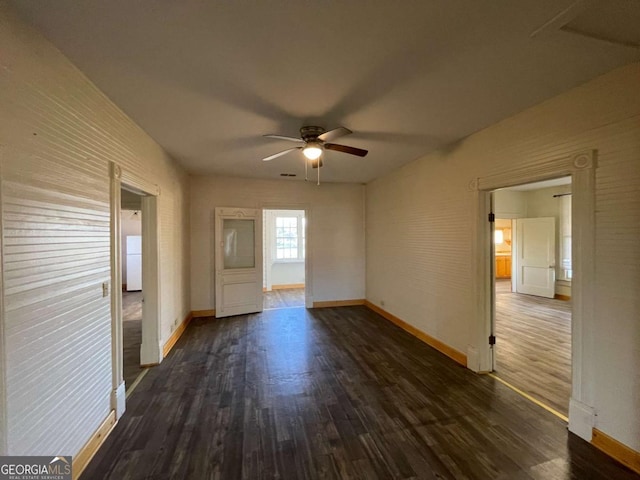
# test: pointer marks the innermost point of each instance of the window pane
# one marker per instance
(286, 237)
(238, 238)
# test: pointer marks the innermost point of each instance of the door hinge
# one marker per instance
(492, 217)
(492, 339)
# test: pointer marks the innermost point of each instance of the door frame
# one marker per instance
(308, 263)
(151, 348)
(581, 166)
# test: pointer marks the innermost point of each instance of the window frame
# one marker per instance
(300, 237)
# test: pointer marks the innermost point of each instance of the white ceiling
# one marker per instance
(207, 79)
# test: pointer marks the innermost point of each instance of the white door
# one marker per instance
(536, 256)
(238, 245)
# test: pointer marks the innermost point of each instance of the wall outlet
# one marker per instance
(105, 289)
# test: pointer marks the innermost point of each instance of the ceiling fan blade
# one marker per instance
(345, 149)
(333, 134)
(283, 137)
(279, 154)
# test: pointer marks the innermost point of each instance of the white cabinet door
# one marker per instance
(238, 257)
(134, 272)
(134, 263)
(536, 256)
(134, 244)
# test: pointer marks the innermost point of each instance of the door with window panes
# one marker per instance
(238, 256)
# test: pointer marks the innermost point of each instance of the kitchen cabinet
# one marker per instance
(503, 266)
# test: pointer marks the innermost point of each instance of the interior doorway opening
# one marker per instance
(284, 257)
(132, 298)
(532, 273)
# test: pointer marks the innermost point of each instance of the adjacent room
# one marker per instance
(533, 290)
(284, 258)
(321, 239)
(131, 243)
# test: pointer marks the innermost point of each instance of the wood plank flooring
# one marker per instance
(331, 393)
(131, 335)
(533, 345)
(284, 298)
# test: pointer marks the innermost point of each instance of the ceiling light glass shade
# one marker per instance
(312, 151)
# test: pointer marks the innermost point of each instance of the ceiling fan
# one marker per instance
(314, 140)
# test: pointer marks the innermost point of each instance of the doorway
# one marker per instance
(284, 257)
(532, 290)
(131, 256)
(126, 186)
(581, 166)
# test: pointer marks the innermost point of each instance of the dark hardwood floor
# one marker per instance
(533, 345)
(283, 298)
(331, 393)
(131, 336)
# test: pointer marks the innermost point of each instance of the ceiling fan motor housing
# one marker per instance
(311, 133)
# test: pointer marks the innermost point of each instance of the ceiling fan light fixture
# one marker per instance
(312, 151)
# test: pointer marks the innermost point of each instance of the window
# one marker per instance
(290, 237)
(499, 237)
(286, 237)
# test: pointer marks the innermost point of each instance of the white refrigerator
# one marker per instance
(134, 262)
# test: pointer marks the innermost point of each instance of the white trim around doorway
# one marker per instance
(581, 167)
(151, 349)
(308, 257)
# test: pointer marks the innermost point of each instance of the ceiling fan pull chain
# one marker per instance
(318, 170)
(306, 169)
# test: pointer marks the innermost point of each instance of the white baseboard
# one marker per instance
(118, 403)
(581, 419)
(150, 354)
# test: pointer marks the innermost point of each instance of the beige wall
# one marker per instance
(420, 220)
(58, 135)
(510, 204)
(335, 228)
